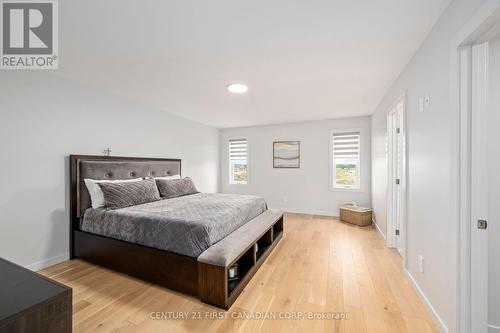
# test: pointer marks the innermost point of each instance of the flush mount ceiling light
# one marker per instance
(237, 88)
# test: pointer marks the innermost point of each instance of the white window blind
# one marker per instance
(238, 161)
(346, 160)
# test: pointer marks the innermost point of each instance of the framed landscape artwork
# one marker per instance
(286, 154)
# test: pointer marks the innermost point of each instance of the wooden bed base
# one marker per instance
(177, 272)
(171, 270)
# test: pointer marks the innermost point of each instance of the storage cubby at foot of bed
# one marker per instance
(264, 243)
(243, 266)
(278, 229)
(246, 249)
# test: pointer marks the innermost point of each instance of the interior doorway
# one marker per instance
(492, 155)
(479, 57)
(396, 149)
(485, 183)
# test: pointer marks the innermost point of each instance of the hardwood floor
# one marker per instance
(320, 267)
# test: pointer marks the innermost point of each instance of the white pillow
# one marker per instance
(168, 177)
(96, 195)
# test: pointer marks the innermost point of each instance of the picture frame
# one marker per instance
(286, 154)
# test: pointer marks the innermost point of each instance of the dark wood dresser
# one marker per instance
(31, 303)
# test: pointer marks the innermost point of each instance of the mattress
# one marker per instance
(185, 225)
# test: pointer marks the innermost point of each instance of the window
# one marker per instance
(345, 161)
(238, 161)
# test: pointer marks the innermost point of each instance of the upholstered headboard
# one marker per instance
(102, 167)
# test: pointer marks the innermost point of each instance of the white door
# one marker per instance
(493, 182)
(396, 174)
(485, 188)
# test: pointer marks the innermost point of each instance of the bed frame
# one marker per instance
(204, 277)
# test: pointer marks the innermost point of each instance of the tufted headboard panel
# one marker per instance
(111, 168)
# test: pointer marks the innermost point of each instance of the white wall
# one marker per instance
(431, 230)
(307, 188)
(379, 172)
(43, 120)
(494, 188)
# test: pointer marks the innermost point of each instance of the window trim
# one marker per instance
(331, 133)
(242, 137)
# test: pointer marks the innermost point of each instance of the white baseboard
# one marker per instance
(437, 318)
(307, 211)
(493, 329)
(380, 231)
(48, 262)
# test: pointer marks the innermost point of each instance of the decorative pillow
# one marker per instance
(95, 192)
(121, 195)
(176, 187)
(168, 177)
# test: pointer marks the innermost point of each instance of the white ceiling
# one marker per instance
(302, 59)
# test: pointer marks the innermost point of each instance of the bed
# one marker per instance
(186, 244)
(187, 225)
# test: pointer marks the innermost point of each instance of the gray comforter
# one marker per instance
(186, 225)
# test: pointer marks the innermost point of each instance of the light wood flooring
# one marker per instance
(320, 266)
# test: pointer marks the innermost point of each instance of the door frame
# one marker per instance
(391, 226)
(463, 101)
(478, 184)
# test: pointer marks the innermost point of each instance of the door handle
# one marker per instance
(482, 224)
